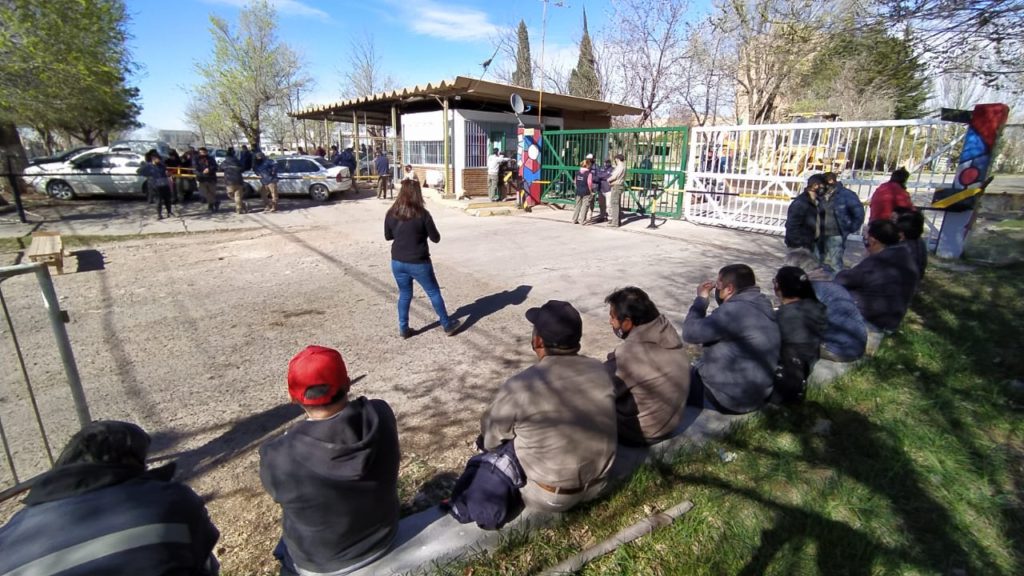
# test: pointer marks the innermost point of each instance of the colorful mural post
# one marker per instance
(987, 120)
(529, 164)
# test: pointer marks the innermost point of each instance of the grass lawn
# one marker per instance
(911, 464)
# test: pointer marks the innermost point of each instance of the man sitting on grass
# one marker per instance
(884, 282)
(741, 343)
(334, 474)
(651, 369)
(559, 415)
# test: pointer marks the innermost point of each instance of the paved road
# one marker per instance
(189, 335)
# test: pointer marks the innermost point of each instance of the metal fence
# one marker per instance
(746, 176)
(655, 158)
(20, 417)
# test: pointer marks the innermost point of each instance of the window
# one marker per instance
(424, 152)
(302, 165)
(92, 162)
(482, 137)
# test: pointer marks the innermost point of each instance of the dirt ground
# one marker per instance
(189, 335)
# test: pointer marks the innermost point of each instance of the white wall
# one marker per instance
(422, 126)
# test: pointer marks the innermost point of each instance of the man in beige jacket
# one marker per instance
(559, 414)
(617, 180)
(651, 368)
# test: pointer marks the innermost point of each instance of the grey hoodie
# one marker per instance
(337, 483)
(741, 348)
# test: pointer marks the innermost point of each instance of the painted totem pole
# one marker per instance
(984, 126)
(530, 164)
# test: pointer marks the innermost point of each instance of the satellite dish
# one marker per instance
(517, 103)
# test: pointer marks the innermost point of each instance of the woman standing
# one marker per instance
(409, 225)
(584, 193)
(157, 184)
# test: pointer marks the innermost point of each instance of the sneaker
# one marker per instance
(453, 327)
(405, 334)
(159, 216)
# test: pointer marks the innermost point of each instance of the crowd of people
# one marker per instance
(548, 439)
(602, 185)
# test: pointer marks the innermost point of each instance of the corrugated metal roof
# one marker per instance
(470, 89)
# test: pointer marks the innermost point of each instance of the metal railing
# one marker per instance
(656, 159)
(57, 319)
(746, 176)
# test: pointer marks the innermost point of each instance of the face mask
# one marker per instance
(620, 333)
(718, 297)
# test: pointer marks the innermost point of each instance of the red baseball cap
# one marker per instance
(316, 376)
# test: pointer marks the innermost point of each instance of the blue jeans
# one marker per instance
(423, 273)
(833, 248)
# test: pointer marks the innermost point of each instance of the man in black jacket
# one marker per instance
(99, 511)
(884, 282)
(206, 176)
(804, 217)
(335, 474)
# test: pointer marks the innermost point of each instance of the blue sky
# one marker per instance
(419, 40)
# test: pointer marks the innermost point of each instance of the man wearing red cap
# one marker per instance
(335, 474)
(559, 415)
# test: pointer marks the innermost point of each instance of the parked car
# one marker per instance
(141, 146)
(106, 172)
(60, 156)
(305, 176)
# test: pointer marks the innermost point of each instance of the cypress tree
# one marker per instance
(583, 81)
(523, 76)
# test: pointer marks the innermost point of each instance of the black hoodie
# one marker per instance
(337, 483)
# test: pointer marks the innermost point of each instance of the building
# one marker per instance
(478, 117)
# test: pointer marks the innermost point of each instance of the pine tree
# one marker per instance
(523, 76)
(583, 81)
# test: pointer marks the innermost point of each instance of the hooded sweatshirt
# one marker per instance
(741, 348)
(337, 483)
(652, 380)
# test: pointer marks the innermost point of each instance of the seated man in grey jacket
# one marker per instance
(651, 369)
(741, 343)
(559, 414)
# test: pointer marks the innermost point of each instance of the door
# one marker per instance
(89, 175)
(496, 140)
(124, 177)
(301, 169)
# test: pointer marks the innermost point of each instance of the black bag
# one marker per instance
(488, 491)
(791, 377)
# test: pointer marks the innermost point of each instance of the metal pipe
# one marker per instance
(447, 166)
(67, 356)
(28, 383)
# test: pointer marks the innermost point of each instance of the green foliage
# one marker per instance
(523, 76)
(64, 65)
(870, 66)
(583, 80)
(250, 71)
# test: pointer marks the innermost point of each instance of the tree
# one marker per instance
(649, 52)
(250, 71)
(64, 67)
(983, 38)
(705, 87)
(771, 45)
(523, 75)
(364, 75)
(583, 80)
(868, 74)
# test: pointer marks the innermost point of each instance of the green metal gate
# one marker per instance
(655, 164)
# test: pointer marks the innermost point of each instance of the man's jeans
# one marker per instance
(832, 249)
(492, 187)
(423, 273)
(614, 203)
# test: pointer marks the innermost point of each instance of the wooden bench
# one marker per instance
(47, 247)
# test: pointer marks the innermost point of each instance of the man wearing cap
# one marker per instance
(559, 414)
(334, 474)
(101, 511)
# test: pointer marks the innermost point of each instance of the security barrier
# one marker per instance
(13, 482)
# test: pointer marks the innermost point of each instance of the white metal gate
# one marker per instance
(745, 176)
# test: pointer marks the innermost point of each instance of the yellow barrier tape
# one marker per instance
(962, 195)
